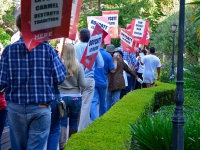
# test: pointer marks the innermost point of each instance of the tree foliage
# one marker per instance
(6, 16)
(162, 37)
(4, 37)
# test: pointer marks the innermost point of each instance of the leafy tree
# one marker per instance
(162, 38)
(6, 16)
(196, 17)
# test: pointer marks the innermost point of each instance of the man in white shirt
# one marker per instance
(152, 64)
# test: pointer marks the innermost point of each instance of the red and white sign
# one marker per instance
(93, 46)
(75, 13)
(127, 41)
(147, 38)
(139, 30)
(42, 20)
(113, 20)
(103, 22)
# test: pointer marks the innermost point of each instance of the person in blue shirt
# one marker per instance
(101, 82)
(28, 78)
(88, 91)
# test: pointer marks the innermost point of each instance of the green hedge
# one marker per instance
(112, 130)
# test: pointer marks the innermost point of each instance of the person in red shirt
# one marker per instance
(3, 113)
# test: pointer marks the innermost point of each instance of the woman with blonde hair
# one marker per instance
(70, 91)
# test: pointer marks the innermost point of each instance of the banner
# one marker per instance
(42, 20)
(139, 30)
(93, 46)
(127, 41)
(113, 22)
(75, 13)
(103, 22)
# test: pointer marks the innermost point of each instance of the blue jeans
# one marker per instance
(54, 134)
(73, 108)
(99, 98)
(3, 114)
(29, 126)
(112, 98)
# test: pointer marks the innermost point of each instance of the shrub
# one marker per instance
(4, 37)
(152, 133)
(191, 77)
(112, 130)
(165, 72)
(155, 132)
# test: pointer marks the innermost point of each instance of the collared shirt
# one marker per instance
(129, 57)
(99, 62)
(29, 76)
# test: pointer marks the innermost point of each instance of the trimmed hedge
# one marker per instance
(112, 130)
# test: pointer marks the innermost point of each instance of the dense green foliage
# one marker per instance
(192, 75)
(112, 130)
(155, 132)
(148, 133)
(7, 24)
(4, 37)
(146, 137)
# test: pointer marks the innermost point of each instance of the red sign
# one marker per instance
(44, 20)
(147, 38)
(139, 30)
(113, 22)
(93, 46)
(127, 41)
(103, 22)
(75, 13)
(128, 26)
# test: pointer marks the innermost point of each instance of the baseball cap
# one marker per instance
(110, 48)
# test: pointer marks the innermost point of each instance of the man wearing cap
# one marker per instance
(88, 91)
(101, 82)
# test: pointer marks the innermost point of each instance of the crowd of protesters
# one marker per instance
(29, 80)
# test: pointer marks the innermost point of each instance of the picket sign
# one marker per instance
(139, 30)
(75, 13)
(126, 41)
(93, 46)
(113, 18)
(44, 20)
(103, 22)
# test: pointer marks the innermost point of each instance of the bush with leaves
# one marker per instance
(152, 133)
(165, 72)
(4, 37)
(155, 132)
(191, 77)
